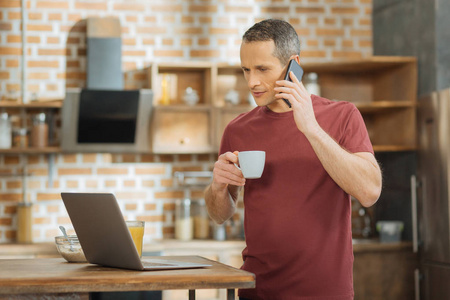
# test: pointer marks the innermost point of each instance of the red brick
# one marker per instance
(74, 171)
(112, 171)
(203, 8)
(53, 4)
(189, 30)
(10, 51)
(53, 40)
(39, 27)
(5, 26)
(6, 221)
(240, 9)
(344, 10)
(11, 160)
(148, 183)
(169, 195)
(347, 54)
(133, 53)
(151, 30)
(230, 31)
(37, 75)
(329, 32)
(150, 170)
(4, 75)
(14, 184)
(131, 206)
(150, 206)
(204, 53)
(309, 10)
(166, 8)
(55, 17)
(54, 52)
(110, 183)
(48, 196)
(275, 9)
(11, 197)
(356, 32)
(10, 3)
(90, 5)
(72, 184)
(12, 63)
(10, 209)
(168, 53)
(130, 6)
(131, 195)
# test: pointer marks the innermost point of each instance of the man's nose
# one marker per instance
(252, 80)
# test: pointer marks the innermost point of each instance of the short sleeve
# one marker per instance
(355, 137)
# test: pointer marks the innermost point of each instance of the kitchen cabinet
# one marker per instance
(383, 88)
(384, 271)
(20, 115)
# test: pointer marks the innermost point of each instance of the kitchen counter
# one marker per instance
(43, 250)
(49, 276)
(381, 270)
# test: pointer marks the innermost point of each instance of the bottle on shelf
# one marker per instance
(5, 131)
(165, 90)
(312, 83)
(184, 224)
(39, 131)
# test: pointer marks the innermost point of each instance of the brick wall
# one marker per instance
(151, 31)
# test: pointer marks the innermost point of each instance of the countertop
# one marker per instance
(44, 250)
(53, 275)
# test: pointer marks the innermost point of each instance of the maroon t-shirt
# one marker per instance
(297, 219)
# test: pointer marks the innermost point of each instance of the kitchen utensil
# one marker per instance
(63, 230)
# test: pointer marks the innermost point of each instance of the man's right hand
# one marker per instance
(225, 172)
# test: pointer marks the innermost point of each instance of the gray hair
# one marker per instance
(280, 32)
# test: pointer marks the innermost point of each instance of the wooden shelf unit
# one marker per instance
(21, 113)
(383, 88)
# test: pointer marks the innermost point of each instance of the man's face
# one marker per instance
(261, 70)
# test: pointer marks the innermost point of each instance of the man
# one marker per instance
(318, 153)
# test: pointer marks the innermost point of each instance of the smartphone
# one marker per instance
(298, 72)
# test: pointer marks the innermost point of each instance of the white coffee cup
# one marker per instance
(251, 163)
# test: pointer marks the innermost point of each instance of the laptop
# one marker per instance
(104, 236)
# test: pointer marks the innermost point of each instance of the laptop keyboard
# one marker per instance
(154, 264)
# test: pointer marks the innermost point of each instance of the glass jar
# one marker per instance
(201, 220)
(20, 137)
(25, 222)
(184, 224)
(312, 83)
(39, 131)
(5, 131)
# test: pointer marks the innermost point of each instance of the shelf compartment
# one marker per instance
(180, 76)
(231, 77)
(367, 80)
(178, 130)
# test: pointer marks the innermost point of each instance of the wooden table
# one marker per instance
(55, 276)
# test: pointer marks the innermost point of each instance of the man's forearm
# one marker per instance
(221, 205)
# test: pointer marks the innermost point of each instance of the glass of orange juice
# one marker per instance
(137, 233)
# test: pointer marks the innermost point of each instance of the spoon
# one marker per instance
(67, 237)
